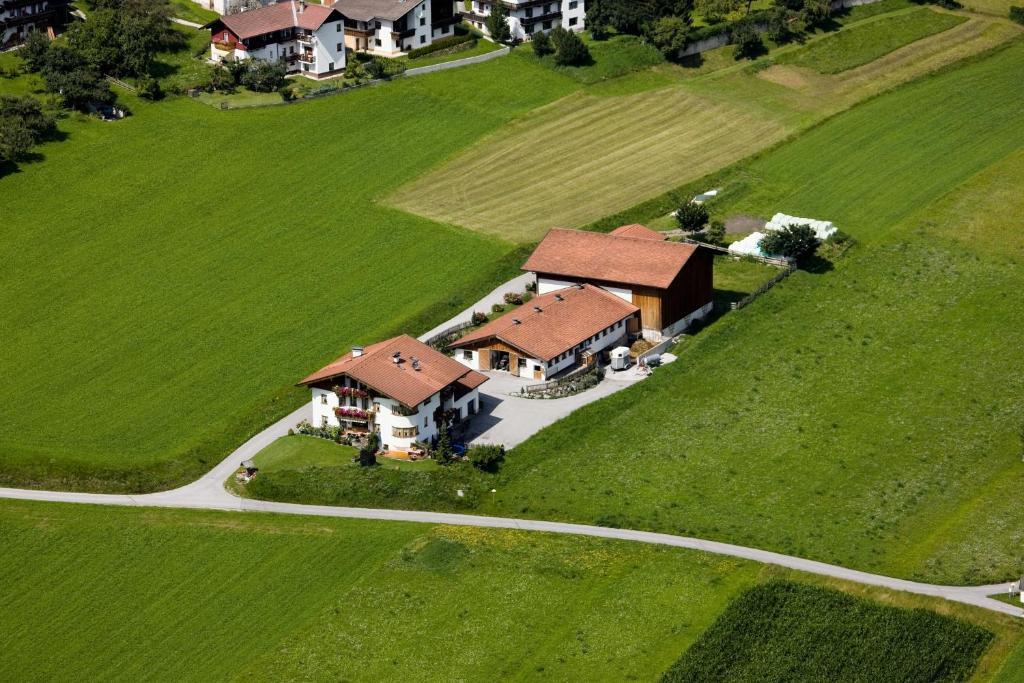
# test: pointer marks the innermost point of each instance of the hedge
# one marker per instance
(1017, 14)
(442, 44)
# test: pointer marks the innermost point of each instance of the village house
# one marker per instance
(393, 27)
(551, 333)
(18, 18)
(399, 388)
(309, 38)
(670, 282)
(526, 17)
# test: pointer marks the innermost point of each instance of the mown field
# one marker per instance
(170, 276)
(620, 142)
(868, 415)
(785, 631)
(871, 40)
(128, 594)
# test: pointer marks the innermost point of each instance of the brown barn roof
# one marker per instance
(377, 369)
(638, 231)
(276, 17)
(610, 258)
(568, 317)
(365, 10)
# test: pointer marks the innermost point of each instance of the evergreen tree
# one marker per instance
(497, 23)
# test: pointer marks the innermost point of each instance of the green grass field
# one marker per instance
(869, 41)
(790, 632)
(192, 11)
(207, 260)
(867, 416)
(94, 593)
(621, 141)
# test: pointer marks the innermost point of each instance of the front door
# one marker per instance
(521, 368)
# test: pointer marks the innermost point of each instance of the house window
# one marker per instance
(337, 27)
(529, 12)
(376, 25)
(573, 21)
(323, 399)
(423, 39)
(424, 421)
(547, 25)
(338, 48)
(376, 41)
(323, 421)
(423, 21)
(573, 4)
(404, 432)
(467, 355)
(225, 38)
(330, 67)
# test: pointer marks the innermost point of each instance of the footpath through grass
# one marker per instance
(784, 631)
(206, 260)
(863, 43)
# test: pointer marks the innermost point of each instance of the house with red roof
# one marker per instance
(308, 38)
(551, 333)
(393, 27)
(671, 283)
(399, 388)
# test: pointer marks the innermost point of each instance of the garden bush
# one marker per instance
(542, 44)
(793, 241)
(385, 67)
(487, 457)
(478, 318)
(442, 44)
(796, 632)
(497, 308)
(514, 298)
(1017, 14)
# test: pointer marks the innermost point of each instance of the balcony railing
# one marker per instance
(306, 39)
(307, 58)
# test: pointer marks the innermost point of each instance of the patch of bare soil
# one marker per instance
(741, 224)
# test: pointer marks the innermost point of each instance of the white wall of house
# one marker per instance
(680, 325)
(524, 21)
(546, 285)
(327, 45)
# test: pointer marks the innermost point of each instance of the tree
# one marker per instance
(15, 139)
(264, 75)
(497, 23)
(78, 84)
(745, 37)
(793, 241)
(816, 11)
(784, 25)
(443, 451)
(35, 51)
(368, 453)
(570, 50)
(632, 16)
(149, 88)
(542, 44)
(715, 11)
(486, 457)
(691, 217)
(1017, 14)
(668, 34)
(122, 37)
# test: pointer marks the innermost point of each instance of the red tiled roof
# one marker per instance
(587, 255)
(639, 231)
(568, 317)
(276, 17)
(377, 369)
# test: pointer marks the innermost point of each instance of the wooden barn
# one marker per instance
(670, 282)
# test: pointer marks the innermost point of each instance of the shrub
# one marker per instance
(542, 44)
(497, 308)
(1017, 14)
(691, 217)
(514, 298)
(264, 76)
(149, 88)
(442, 44)
(793, 241)
(487, 457)
(368, 453)
(443, 452)
(35, 51)
(478, 318)
(570, 50)
(221, 78)
(668, 34)
(531, 286)
(385, 67)
(714, 233)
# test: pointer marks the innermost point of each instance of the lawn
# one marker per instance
(866, 416)
(205, 262)
(95, 593)
(868, 41)
(192, 11)
(783, 631)
(482, 47)
(620, 141)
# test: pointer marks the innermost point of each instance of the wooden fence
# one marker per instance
(779, 277)
(779, 262)
(568, 378)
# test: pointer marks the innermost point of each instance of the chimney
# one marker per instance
(415, 363)
(538, 309)
(559, 297)
(397, 358)
(302, 5)
(357, 351)
(515, 321)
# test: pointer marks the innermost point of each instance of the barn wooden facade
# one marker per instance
(671, 283)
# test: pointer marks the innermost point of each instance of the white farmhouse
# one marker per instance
(526, 17)
(400, 388)
(309, 38)
(393, 27)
